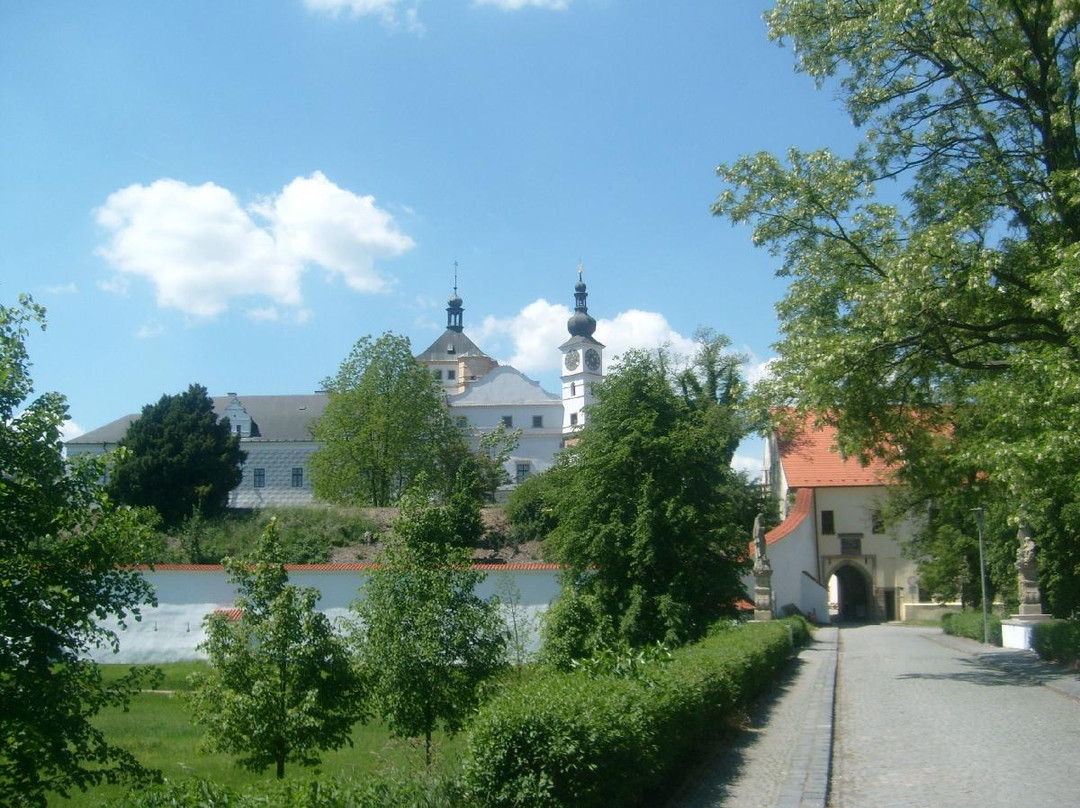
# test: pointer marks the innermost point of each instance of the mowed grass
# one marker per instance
(158, 730)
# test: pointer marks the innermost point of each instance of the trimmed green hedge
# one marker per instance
(970, 625)
(568, 740)
(1058, 641)
(335, 792)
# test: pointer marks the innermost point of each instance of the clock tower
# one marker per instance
(583, 361)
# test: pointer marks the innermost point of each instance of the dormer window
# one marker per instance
(450, 348)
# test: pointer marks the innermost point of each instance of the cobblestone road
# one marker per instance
(921, 723)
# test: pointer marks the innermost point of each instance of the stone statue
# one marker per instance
(1027, 568)
(759, 537)
(763, 596)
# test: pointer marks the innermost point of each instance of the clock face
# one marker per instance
(571, 360)
(592, 359)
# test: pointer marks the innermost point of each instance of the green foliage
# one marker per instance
(425, 641)
(337, 792)
(533, 507)
(61, 540)
(574, 740)
(931, 310)
(970, 625)
(1058, 641)
(386, 423)
(282, 686)
(652, 521)
(178, 458)
(306, 535)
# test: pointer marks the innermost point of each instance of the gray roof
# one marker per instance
(279, 418)
(451, 345)
(503, 385)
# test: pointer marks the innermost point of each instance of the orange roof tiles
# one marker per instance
(518, 567)
(811, 460)
(804, 506)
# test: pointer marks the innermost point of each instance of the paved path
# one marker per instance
(921, 719)
(781, 760)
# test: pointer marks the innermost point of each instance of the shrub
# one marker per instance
(419, 791)
(1058, 641)
(570, 739)
(970, 625)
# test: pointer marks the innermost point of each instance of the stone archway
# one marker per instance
(855, 598)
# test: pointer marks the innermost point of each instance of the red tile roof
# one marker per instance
(519, 567)
(811, 460)
(804, 506)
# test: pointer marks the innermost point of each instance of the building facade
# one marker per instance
(276, 430)
(835, 552)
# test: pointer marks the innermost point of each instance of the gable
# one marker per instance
(810, 459)
(503, 385)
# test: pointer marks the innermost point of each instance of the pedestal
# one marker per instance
(1016, 631)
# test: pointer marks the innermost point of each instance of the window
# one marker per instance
(573, 388)
(298, 477)
(438, 374)
(462, 422)
(851, 544)
(239, 430)
(573, 419)
(877, 521)
(828, 526)
(522, 472)
(259, 477)
(508, 421)
(451, 374)
(538, 422)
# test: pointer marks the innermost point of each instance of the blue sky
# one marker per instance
(233, 193)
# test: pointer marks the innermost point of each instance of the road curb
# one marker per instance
(807, 782)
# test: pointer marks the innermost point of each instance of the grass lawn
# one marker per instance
(158, 731)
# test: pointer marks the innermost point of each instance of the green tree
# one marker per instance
(386, 422)
(282, 687)
(424, 638)
(653, 522)
(61, 541)
(178, 458)
(933, 272)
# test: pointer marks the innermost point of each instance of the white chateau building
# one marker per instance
(276, 430)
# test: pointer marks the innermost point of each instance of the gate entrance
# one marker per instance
(851, 589)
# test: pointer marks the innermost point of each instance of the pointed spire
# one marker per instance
(581, 324)
(454, 310)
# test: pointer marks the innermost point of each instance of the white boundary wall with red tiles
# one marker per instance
(173, 630)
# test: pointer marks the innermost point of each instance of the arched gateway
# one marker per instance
(852, 589)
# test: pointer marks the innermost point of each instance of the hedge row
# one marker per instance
(571, 740)
(970, 625)
(1058, 641)
(334, 792)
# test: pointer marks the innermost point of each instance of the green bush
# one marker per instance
(570, 739)
(970, 625)
(420, 791)
(1058, 641)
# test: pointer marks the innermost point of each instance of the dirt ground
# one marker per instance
(492, 553)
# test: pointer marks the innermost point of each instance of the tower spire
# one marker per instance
(454, 309)
(581, 324)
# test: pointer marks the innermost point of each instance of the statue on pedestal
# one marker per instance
(1027, 568)
(763, 599)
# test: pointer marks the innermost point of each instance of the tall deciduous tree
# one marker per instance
(934, 271)
(425, 639)
(178, 457)
(652, 521)
(386, 422)
(61, 540)
(282, 687)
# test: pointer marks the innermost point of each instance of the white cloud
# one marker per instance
(63, 289)
(200, 248)
(516, 5)
(150, 330)
(753, 466)
(541, 325)
(71, 430)
(391, 12)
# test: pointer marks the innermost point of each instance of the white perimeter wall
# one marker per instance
(172, 630)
